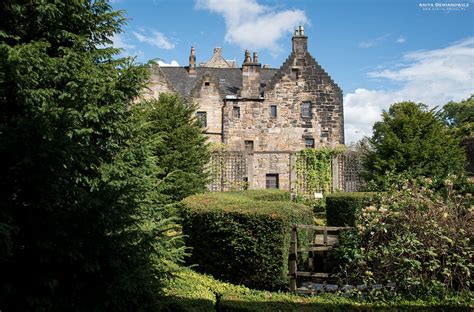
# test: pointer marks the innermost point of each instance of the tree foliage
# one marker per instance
(181, 151)
(412, 139)
(459, 116)
(81, 226)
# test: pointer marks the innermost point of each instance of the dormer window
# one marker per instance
(306, 110)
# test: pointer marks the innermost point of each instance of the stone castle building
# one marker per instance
(267, 113)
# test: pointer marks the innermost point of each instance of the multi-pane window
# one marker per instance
(306, 110)
(272, 180)
(309, 142)
(249, 146)
(236, 112)
(273, 111)
(201, 118)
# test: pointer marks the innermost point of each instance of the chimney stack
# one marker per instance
(192, 63)
(250, 77)
(300, 41)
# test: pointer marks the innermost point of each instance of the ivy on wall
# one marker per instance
(314, 170)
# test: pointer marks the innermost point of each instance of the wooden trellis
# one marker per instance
(228, 171)
(348, 168)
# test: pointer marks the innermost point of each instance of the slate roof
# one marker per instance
(230, 79)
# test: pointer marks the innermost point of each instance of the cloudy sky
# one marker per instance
(379, 51)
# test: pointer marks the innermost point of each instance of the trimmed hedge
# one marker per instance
(191, 291)
(342, 208)
(237, 238)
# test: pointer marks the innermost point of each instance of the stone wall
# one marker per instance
(209, 99)
(261, 164)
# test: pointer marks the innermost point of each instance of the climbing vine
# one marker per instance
(314, 171)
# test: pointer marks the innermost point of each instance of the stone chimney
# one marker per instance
(300, 41)
(192, 63)
(250, 77)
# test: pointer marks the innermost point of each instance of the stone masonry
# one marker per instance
(268, 113)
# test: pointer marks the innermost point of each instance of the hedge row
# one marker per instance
(236, 238)
(191, 291)
(342, 208)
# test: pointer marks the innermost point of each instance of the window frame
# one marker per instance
(236, 111)
(273, 111)
(277, 181)
(248, 146)
(306, 145)
(200, 117)
(308, 110)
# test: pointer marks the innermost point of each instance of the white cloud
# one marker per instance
(120, 42)
(252, 25)
(401, 39)
(164, 64)
(432, 77)
(156, 39)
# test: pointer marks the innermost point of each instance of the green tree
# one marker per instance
(459, 116)
(81, 226)
(182, 151)
(411, 139)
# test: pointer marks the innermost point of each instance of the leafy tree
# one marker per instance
(412, 139)
(81, 226)
(460, 117)
(182, 151)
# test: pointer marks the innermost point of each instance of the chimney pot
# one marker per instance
(301, 30)
(255, 57)
(247, 57)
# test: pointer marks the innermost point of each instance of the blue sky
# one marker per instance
(379, 52)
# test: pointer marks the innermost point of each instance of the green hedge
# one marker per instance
(237, 238)
(193, 292)
(342, 208)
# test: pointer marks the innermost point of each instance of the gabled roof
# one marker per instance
(230, 79)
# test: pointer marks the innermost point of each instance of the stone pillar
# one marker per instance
(192, 63)
(250, 77)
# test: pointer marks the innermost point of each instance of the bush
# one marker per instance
(415, 238)
(239, 239)
(342, 208)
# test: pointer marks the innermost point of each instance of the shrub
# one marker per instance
(415, 238)
(342, 208)
(239, 239)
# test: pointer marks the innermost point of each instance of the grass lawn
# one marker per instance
(191, 291)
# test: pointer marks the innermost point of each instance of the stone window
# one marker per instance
(306, 110)
(236, 112)
(271, 181)
(296, 72)
(201, 118)
(207, 83)
(273, 111)
(309, 143)
(249, 146)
